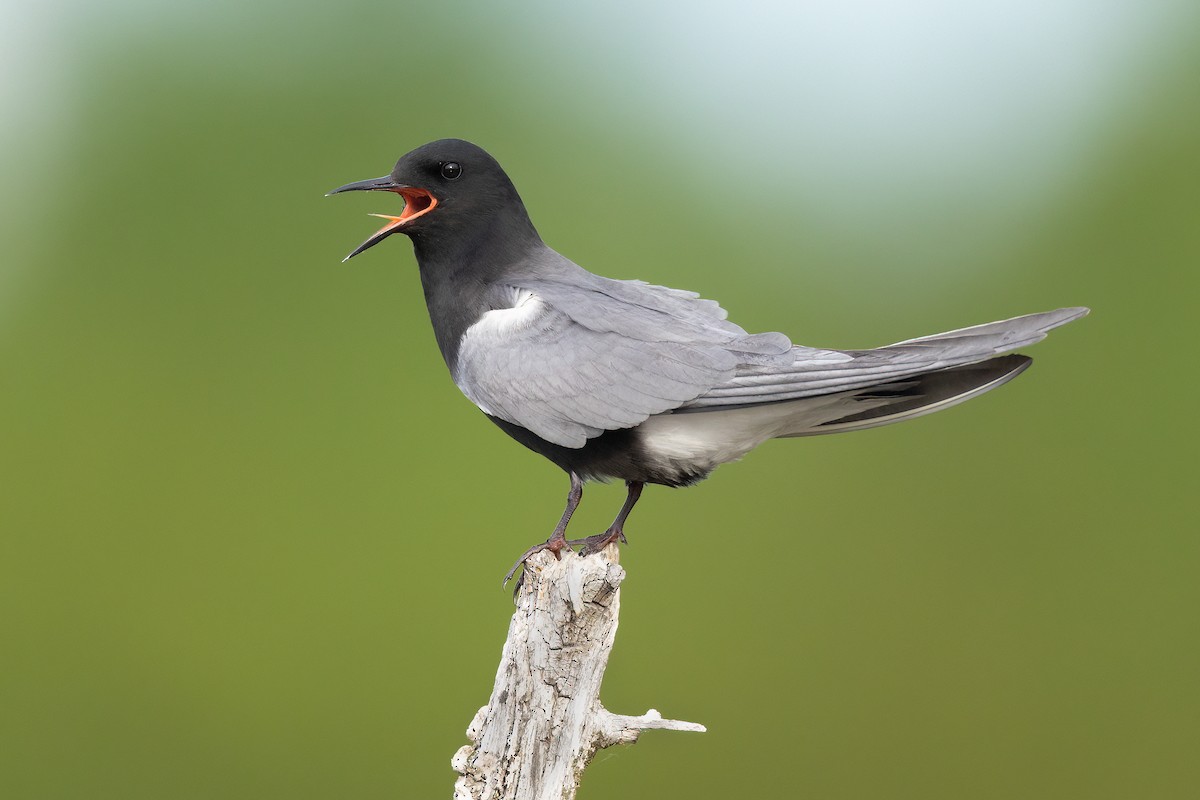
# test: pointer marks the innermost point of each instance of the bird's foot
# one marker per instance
(597, 542)
(555, 544)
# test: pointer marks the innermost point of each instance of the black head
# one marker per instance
(452, 190)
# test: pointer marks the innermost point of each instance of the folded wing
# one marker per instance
(570, 362)
(818, 372)
(571, 355)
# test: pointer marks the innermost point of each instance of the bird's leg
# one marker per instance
(558, 539)
(616, 531)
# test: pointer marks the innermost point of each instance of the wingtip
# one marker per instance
(1064, 315)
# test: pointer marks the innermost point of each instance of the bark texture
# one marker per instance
(544, 721)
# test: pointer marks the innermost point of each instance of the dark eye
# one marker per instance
(451, 170)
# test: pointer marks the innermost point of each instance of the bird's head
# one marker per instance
(449, 187)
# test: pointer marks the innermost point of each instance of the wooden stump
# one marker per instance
(544, 721)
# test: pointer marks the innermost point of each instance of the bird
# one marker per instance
(627, 380)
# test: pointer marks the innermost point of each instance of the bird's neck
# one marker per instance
(460, 274)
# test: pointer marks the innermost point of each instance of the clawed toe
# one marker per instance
(596, 543)
(554, 544)
(592, 544)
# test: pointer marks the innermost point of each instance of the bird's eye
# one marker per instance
(451, 170)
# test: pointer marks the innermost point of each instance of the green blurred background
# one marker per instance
(252, 535)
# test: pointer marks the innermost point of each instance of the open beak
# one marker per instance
(417, 201)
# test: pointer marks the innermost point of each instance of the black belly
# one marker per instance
(615, 454)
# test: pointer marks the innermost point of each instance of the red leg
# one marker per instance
(616, 531)
(558, 539)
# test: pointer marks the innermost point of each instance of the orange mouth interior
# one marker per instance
(417, 202)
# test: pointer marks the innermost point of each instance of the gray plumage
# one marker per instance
(576, 354)
(568, 355)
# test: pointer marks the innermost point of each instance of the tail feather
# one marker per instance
(912, 397)
(704, 438)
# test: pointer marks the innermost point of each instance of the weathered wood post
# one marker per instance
(544, 721)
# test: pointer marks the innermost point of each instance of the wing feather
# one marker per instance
(814, 372)
(568, 361)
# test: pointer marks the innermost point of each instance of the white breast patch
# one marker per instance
(499, 322)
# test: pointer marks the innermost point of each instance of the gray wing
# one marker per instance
(817, 372)
(569, 360)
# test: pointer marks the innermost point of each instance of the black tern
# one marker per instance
(621, 379)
